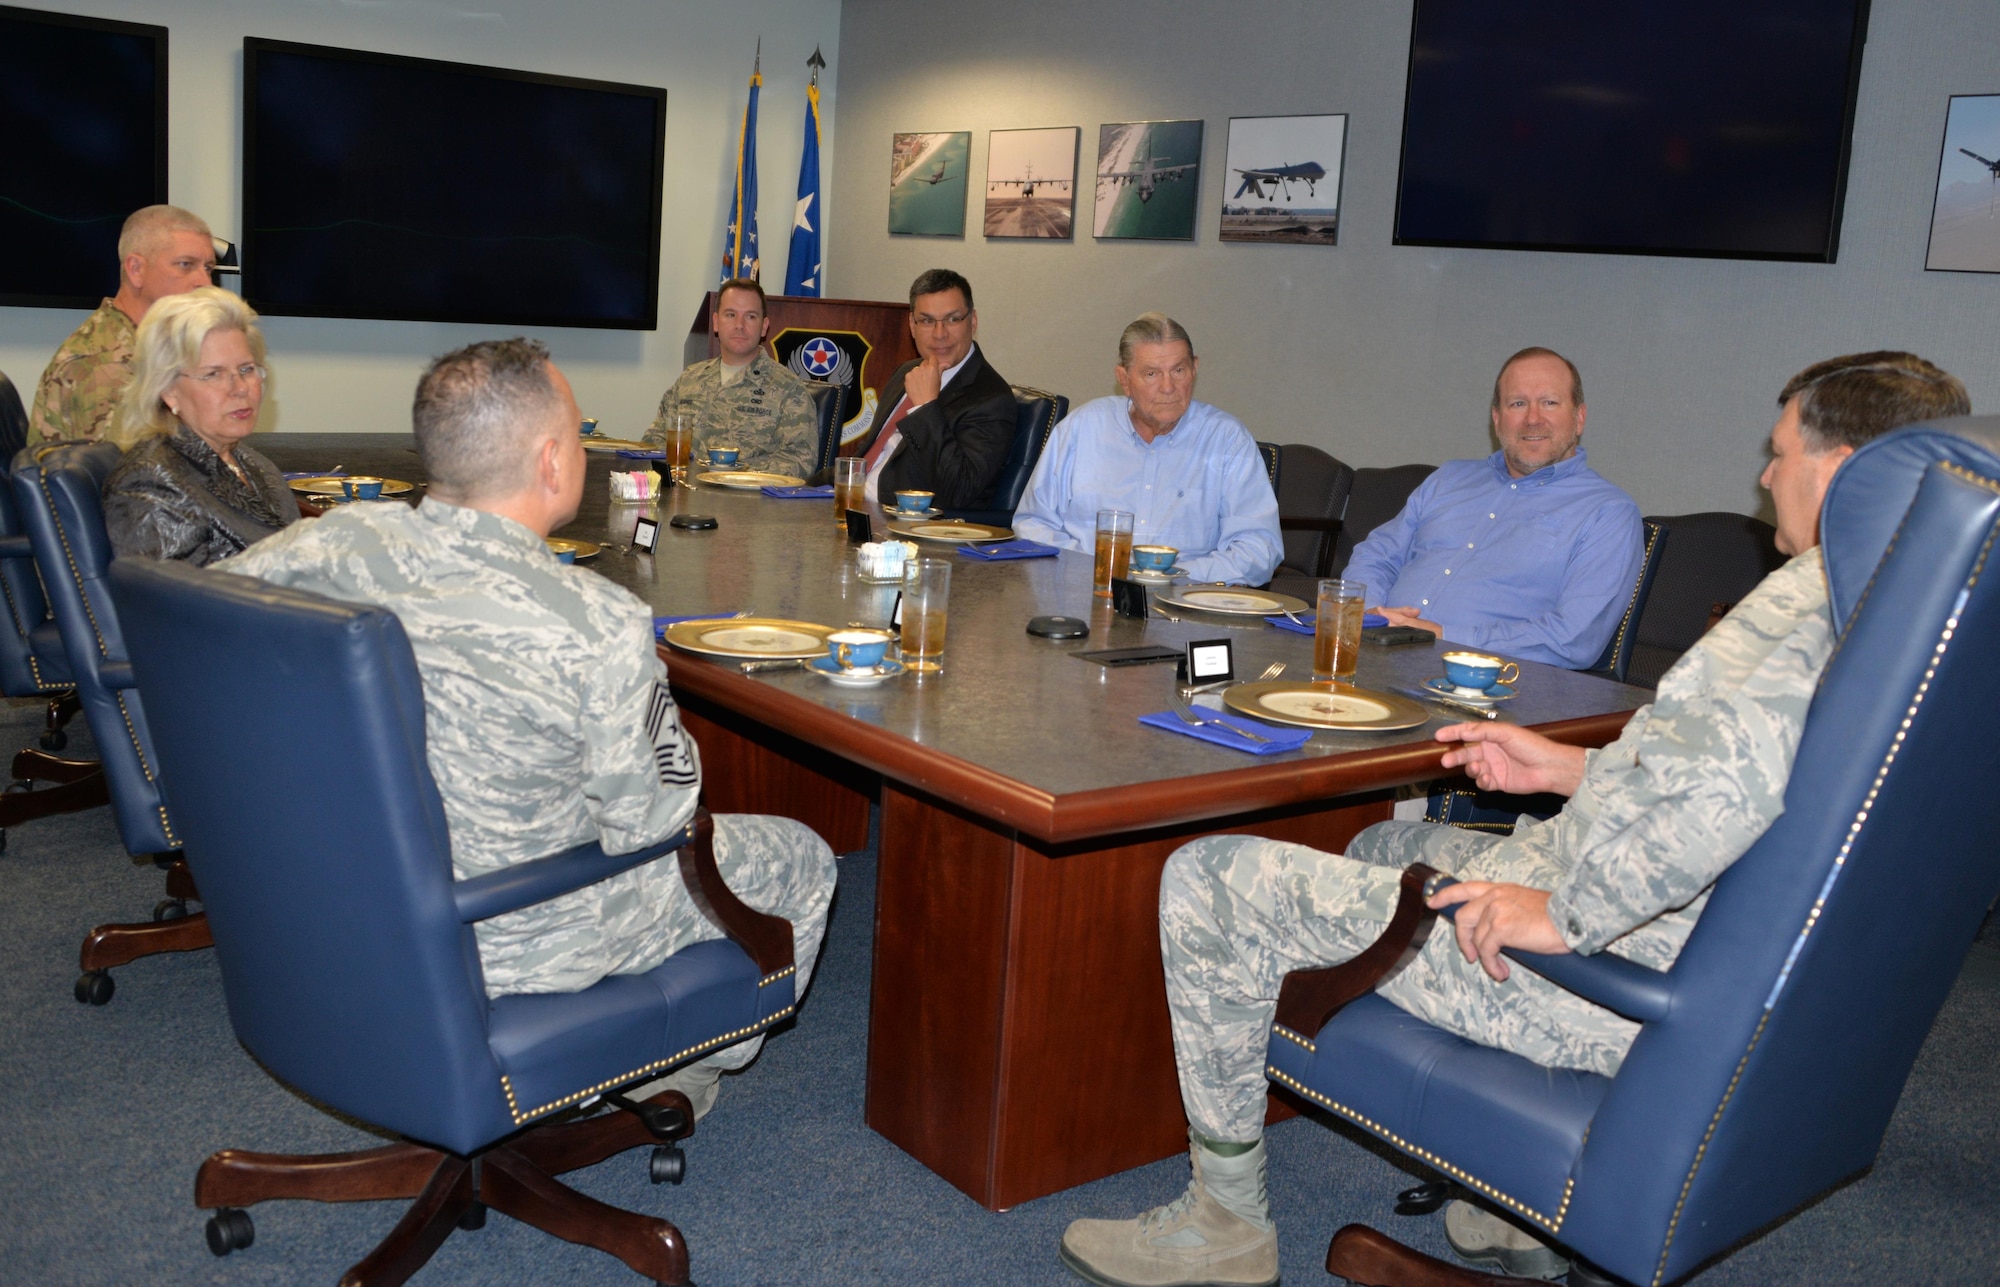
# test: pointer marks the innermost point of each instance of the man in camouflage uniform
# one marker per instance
(743, 399)
(549, 722)
(1652, 820)
(162, 251)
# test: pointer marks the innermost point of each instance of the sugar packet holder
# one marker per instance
(634, 485)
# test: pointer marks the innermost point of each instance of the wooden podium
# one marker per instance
(855, 342)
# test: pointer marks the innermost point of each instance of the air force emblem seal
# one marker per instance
(830, 357)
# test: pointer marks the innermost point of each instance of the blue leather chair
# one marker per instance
(402, 1034)
(1037, 413)
(59, 489)
(1715, 560)
(1616, 659)
(1774, 1050)
(829, 413)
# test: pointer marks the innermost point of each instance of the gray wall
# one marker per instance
(1384, 354)
(330, 374)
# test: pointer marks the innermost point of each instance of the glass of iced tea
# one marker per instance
(1337, 634)
(680, 438)
(926, 592)
(850, 487)
(1114, 550)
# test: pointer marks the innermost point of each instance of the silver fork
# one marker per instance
(1188, 717)
(1272, 671)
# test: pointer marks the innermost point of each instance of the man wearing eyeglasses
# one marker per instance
(950, 415)
(162, 251)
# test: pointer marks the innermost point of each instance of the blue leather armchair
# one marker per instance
(1616, 659)
(59, 489)
(402, 1034)
(1774, 1050)
(1037, 413)
(829, 413)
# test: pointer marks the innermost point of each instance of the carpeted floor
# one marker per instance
(107, 1112)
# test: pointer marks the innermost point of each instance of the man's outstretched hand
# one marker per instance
(1492, 916)
(1507, 757)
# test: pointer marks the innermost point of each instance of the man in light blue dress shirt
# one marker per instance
(1528, 553)
(1189, 473)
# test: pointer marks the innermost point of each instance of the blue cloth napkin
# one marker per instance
(633, 453)
(822, 492)
(316, 473)
(1002, 550)
(1306, 627)
(1282, 739)
(660, 624)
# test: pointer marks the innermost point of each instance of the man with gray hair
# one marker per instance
(1188, 473)
(162, 251)
(549, 722)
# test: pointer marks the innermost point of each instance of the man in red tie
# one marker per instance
(950, 416)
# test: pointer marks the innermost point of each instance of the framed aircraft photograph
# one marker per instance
(1031, 182)
(1282, 184)
(927, 183)
(1965, 214)
(1148, 173)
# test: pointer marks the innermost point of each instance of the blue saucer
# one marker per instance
(1445, 688)
(828, 667)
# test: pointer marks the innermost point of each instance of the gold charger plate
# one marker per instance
(952, 531)
(1233, 600)
(582, 549)
(330, 486)
(1324, 705)
(747, 479)
(766, 637)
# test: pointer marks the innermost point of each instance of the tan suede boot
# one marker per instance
(1482, 1238)
(699, 1081)
(1193, 1241)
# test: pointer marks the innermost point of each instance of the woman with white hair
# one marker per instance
(188, 488)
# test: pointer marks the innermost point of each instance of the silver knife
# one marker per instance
(1425, 694)
(783, 663)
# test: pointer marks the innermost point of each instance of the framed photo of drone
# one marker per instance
(1031, 183)
(1148, 175)
(1283, 180)
(1965, 215)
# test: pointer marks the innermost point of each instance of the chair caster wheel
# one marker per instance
(18, 786)
(229, 1229)
(54, 739)
(474, 1217)
(1425, 1198)
(669, 1164)
(170, 909)
(94, 987)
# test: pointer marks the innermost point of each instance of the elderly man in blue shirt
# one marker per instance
(1189, 473)
(1528, 553)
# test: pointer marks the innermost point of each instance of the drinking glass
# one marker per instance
(680, 436)
(926, 591)
(1114, 550)
(1337, 634)
(850, 487)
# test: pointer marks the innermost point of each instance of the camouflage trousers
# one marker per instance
(1238, 913)
(779, 867)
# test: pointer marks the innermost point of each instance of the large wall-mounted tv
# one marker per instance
(1709, 127)
(83, 143)
(386, 187)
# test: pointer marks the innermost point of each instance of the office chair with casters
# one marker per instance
(1774, 1049)
(402, 1035)
(829, 413)
(1037, 412)
(59, 490)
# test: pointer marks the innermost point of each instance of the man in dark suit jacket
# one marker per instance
(949, 417)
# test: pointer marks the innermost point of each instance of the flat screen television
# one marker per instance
(387, 187)
(1707, 128)
(83, 143)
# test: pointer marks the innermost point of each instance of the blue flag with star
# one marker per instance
(802, 267)
(739, 240)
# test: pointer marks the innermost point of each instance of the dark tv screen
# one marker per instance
(1709, 127)
(83, 143)
(386, 187)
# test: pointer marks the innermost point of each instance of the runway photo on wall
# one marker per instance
(927, 183)
(1148, 173)
(1283, 179)
(1031, 182)
(1965, 218)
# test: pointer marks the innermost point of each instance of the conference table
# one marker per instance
(1018, 1037)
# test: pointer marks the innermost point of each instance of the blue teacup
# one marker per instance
(589, 425)
(361, 487)
(1153, 558)
(565, 556)
(914, 502)
(1478, 672)
(857, 649)
(726, 457)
